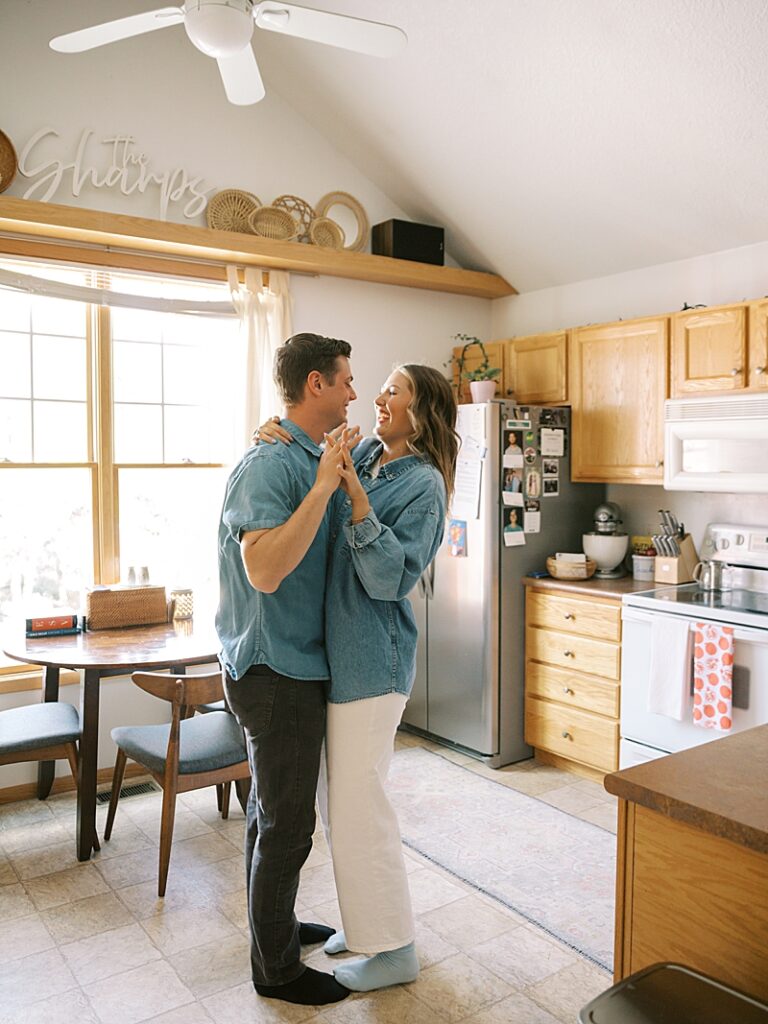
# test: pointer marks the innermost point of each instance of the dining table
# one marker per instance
(100, 653)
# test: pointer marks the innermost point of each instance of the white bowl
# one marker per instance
(607, 549)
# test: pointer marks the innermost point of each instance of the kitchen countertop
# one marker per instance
(719, 787)
(593, 587)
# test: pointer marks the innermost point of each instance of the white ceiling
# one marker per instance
(556, 140)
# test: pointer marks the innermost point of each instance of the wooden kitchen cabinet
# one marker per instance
(535, 369)
(709, 350)
(692, 848)
(472, 360)
(619, 381)
(757, 358)
(572, 679)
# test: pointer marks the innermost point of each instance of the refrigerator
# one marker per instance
(514, 505)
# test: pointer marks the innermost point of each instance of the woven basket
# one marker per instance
(273, 222)
(8, 162)
(345, 199)
(125, 606)
(301, 211)
(571, 570)
(229, 210)
(327, 233)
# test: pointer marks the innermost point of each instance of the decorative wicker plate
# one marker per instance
(301, 211)
(326, 233)
(273, 222)
(345, 199)
(571, 570)
(8, 162)
(229, 210)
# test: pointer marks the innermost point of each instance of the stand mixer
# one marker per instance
(606, 544)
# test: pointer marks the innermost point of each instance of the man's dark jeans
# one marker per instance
(284, 723)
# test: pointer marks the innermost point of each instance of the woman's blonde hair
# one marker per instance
(432, 413)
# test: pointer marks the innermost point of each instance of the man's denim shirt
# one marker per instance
(371, 633)
(284, 630)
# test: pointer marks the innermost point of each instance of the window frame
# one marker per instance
(104, 470)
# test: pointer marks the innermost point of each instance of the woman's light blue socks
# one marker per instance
(394, 967)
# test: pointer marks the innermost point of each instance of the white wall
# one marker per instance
(714, 279)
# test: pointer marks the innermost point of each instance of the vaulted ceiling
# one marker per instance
(556, 140)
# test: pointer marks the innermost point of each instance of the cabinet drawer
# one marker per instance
(572, 688)
(577, 653)
(576, 735)
(571, 615)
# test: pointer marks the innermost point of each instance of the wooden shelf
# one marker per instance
(100, 231)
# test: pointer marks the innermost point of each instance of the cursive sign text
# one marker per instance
(121, 167)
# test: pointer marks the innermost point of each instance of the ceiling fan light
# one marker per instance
(219, 28)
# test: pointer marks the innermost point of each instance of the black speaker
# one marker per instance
(405, 240)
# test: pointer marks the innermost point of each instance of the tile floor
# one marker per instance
(93, 943)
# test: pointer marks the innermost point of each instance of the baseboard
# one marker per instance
(544, 757)
(66, 784)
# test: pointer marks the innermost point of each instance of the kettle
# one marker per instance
(711, 575)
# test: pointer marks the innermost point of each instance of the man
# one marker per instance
(273, 540)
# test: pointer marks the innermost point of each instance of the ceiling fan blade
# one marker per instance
(111, 31)
(370, 37)
(241, 77)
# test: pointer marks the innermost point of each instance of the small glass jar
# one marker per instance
(182, 600)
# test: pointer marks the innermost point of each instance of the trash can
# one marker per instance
(672, 994)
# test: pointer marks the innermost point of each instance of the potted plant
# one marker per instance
(481, 379)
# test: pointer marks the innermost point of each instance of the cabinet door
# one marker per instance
(618, 385)
(472, 360)
(709, 350)
(535, 369)
(758, 345)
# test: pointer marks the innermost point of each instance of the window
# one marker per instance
(115, 437)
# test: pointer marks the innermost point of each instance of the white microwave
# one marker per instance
(716, 444)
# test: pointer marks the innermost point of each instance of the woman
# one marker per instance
(387, 525)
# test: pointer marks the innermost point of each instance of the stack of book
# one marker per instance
(53, 625)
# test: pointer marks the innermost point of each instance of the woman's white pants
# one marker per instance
(361, 824)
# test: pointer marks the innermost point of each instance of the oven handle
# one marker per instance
(742, 634)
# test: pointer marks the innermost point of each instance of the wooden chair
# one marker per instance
(187, 754)
(40, 732)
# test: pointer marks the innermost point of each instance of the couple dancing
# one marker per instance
(319, 547)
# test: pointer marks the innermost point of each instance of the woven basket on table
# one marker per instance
(8, 162)
(301, 211)
(125, 606)
(229, 210)
(326, 233)
(275, 223)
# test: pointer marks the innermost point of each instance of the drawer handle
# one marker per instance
(567, 689)
(568, 654)
(569, 616)
(735, 371)
(567, 735)
(759, 371)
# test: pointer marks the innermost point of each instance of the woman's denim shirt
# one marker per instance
(371, 632)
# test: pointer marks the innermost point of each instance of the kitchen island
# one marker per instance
(692, 865)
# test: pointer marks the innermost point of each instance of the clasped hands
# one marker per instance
(336, 466)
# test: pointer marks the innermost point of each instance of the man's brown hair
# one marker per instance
(302, 354)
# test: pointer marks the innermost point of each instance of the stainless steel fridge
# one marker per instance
(470, 603)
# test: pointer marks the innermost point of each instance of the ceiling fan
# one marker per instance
(223, 29)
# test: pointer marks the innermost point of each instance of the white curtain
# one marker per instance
(266, 319)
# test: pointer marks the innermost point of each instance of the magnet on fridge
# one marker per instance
(457, 538)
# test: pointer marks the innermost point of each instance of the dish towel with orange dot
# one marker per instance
(713, 676)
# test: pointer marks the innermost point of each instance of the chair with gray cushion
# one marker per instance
(187, 754)
(40, 732)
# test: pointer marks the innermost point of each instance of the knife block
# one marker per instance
(677, 568)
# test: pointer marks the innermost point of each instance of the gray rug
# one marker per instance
(553, 868)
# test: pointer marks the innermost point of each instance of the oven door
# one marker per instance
(658, 732)
(716, 455)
